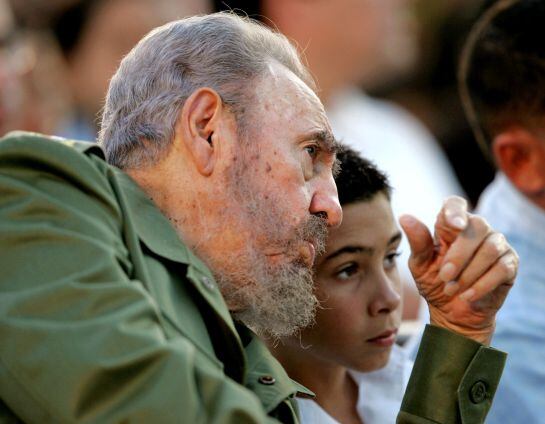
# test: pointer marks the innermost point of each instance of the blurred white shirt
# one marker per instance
(380, 393)
(520, 323)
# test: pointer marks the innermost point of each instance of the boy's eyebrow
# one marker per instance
(361, 249)
(395, 238)
(350, 249)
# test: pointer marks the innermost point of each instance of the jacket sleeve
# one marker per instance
(454, 380)
(79, 340)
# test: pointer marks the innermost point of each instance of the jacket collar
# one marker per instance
(159, 236)
(264, 367)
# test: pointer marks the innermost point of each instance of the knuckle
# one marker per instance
(508, 266)
(493, 247)
(498, 243)
(480, 224)
(515, 255)
(501, 240)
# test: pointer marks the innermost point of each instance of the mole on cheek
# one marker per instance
(268, 168)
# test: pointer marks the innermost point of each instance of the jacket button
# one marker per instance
(207, 282)
(477, 393)
(267, 380)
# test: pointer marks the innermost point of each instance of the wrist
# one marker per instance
(481, 334)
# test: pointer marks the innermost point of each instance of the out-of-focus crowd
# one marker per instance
(58, 56)
(385, 70)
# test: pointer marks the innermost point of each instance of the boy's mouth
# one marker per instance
(385, 339)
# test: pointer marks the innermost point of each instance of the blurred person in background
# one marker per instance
(9, 84)
(94, 35)
(30, 75)
(430, 90)
(502, 83)
(358, 43)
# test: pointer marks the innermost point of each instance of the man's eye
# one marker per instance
(347, 271)
(312, 150)
(391, 259)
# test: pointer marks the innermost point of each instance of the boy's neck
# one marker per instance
(335, 390)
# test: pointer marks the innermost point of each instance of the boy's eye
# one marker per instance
(391, 259)
(347, 271)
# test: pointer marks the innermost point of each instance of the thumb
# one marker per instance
(420, 241)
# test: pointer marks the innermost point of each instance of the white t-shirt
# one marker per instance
(379, 393)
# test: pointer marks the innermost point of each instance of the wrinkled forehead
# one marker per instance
(280, 91)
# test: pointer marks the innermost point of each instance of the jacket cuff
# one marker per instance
(454, 379)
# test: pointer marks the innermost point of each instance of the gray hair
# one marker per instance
(222, 51)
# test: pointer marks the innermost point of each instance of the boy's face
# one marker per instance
(358, 284)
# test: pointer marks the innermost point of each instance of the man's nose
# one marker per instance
(325, 201)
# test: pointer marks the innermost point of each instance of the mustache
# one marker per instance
(314, 230)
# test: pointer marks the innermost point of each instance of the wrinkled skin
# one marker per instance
(464, 272)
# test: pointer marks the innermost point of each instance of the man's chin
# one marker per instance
(279, 306)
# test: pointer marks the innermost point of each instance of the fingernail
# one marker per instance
(451, 288)
(447, 272)
(459, 222)
(467, 295)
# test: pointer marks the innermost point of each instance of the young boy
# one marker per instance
(359, 287)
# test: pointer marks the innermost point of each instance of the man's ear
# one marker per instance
(197, 125)
(521, 157)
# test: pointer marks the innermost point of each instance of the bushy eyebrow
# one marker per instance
(327, 141)
(336, 168)
(329, 144)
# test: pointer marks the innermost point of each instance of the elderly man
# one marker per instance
(120, 281)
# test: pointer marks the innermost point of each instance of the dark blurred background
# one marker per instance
(56, 58)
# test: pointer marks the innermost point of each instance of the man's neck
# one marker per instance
(163, 188)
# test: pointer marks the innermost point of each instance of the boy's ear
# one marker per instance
(196, 128)
(521, 157)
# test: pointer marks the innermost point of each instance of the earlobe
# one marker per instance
(197, 125)
(519, 154)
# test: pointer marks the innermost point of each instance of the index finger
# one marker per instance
(452, 219)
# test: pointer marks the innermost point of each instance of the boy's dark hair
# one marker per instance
(502, 68)
(359, 180)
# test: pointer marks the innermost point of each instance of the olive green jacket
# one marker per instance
(105, 316)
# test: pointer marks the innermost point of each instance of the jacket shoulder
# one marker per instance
(35, 159)
(28, 149)
(24, 140)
